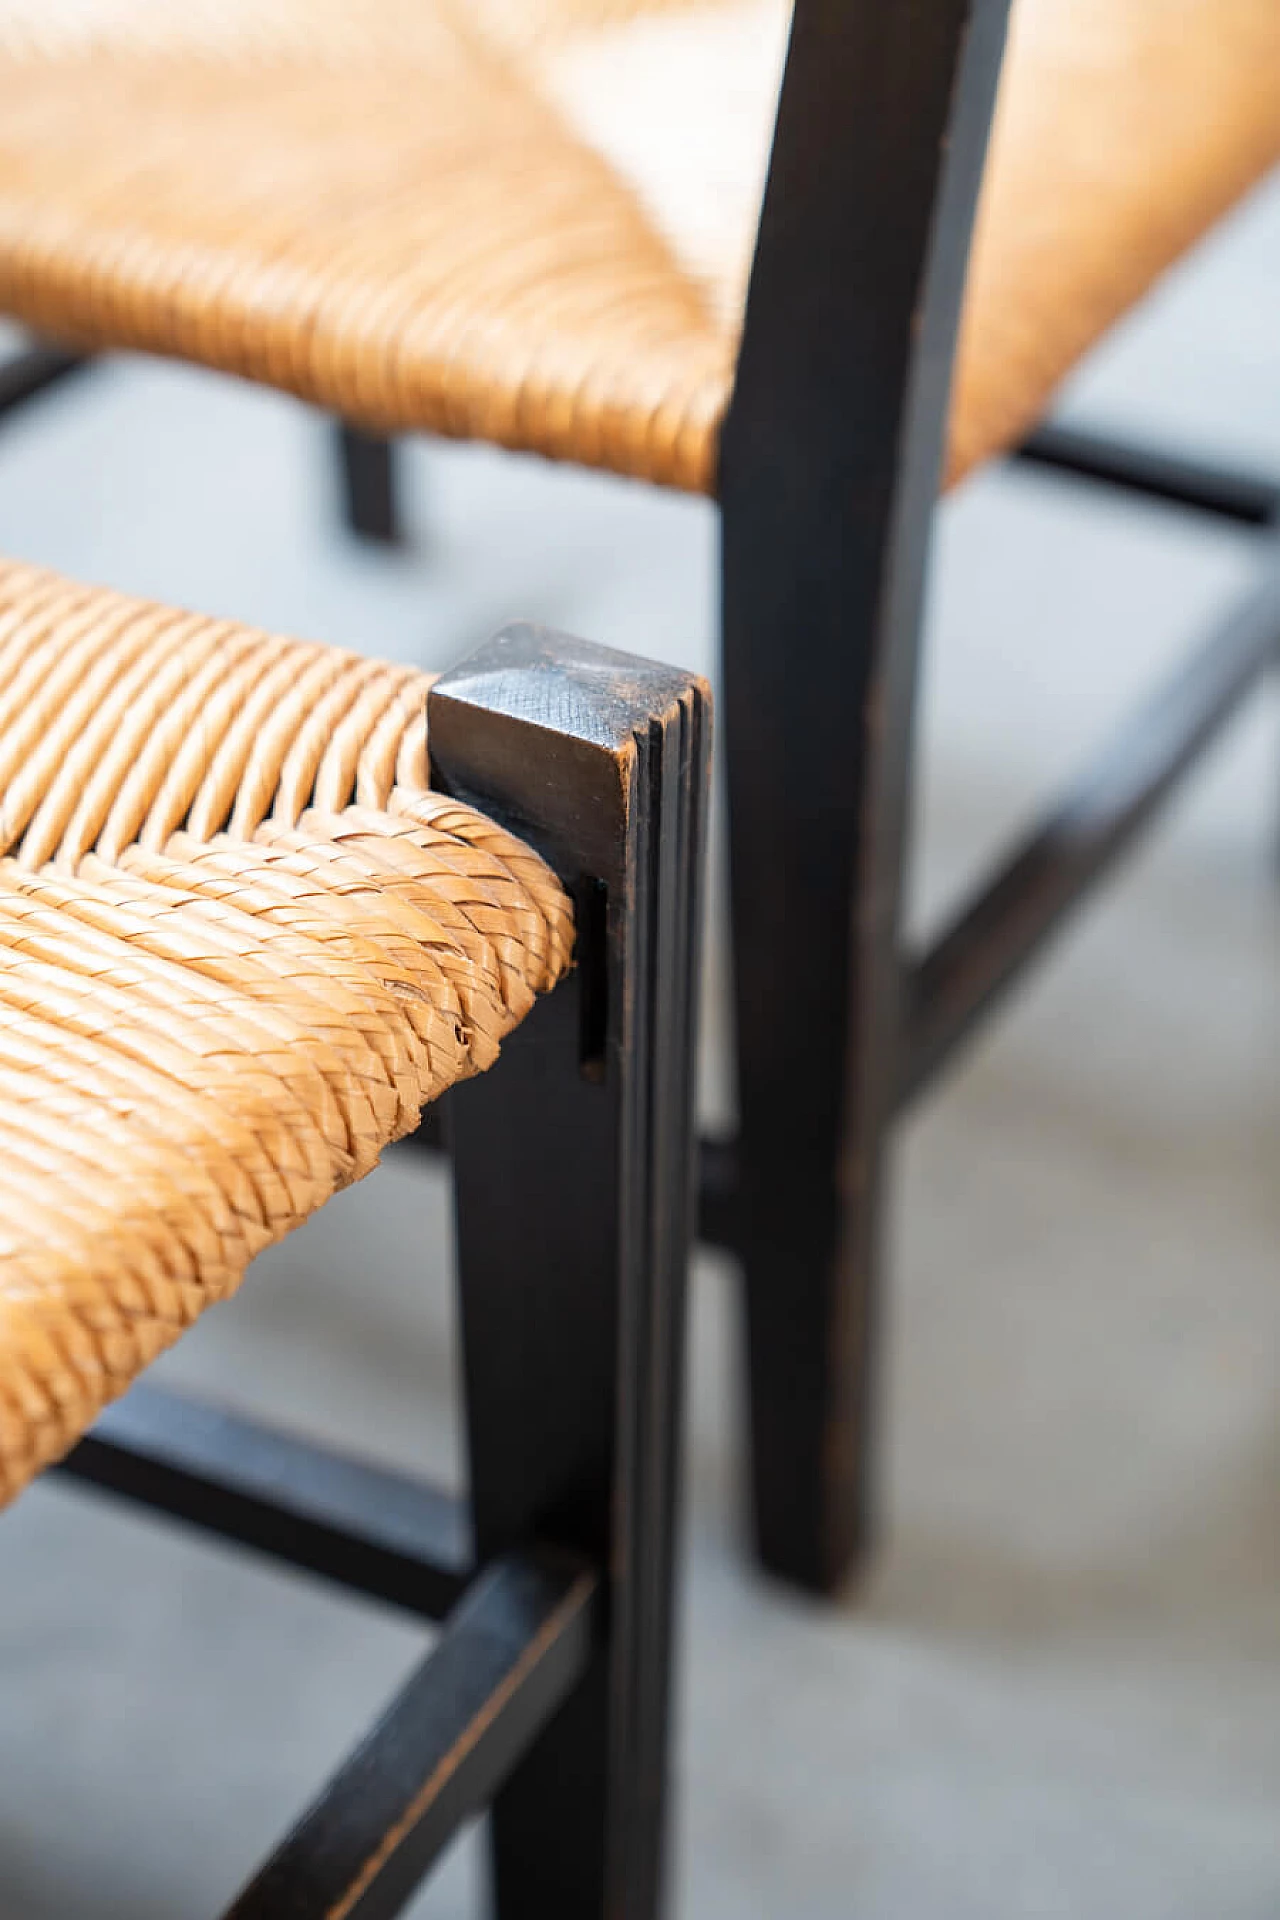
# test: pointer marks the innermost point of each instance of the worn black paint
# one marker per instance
(510, 1654)
(829, 473)
(572, 1167)
(364, 1527)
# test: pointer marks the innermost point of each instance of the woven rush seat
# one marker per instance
(241, 945)
(531, 223)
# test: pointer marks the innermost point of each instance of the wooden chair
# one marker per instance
(245, 932)
(541, 225)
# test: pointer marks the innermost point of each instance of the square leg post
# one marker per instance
(32, 370)
(572, 1165)
(367, 479)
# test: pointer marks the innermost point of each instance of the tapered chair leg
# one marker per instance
(829, 473)
(572, 1163)
(367, 481)
(815, 955)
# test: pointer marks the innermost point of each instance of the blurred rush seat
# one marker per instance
(531, 221)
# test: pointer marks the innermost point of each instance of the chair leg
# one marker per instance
(367, 477)
(811, 1301)
(572, 1164)
(829, 465)
(816, 975)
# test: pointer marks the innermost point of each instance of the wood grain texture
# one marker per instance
(511, 1652)
(574, 1164)
(1108, 135)
(829, 482)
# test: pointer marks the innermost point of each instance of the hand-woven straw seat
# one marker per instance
(529, 221)
(241, 944)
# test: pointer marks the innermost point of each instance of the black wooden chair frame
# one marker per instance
(829, 484)
(546, 1695)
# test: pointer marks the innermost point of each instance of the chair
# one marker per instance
(541, 225)
(246, 931)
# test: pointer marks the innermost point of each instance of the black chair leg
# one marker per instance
(572, 1178)
(367, 477)
(829, 470)
(816, 974)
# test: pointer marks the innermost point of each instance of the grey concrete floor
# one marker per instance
(1058, 1692)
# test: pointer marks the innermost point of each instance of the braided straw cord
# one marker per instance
(241, 945)
(530, 221)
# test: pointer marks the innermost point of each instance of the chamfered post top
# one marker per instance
(541, 729)
(569, 686)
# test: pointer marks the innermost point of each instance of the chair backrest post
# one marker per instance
(829, 472)
(832, 447)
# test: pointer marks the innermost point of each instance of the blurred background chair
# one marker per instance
(541, 227)
(242, 943)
